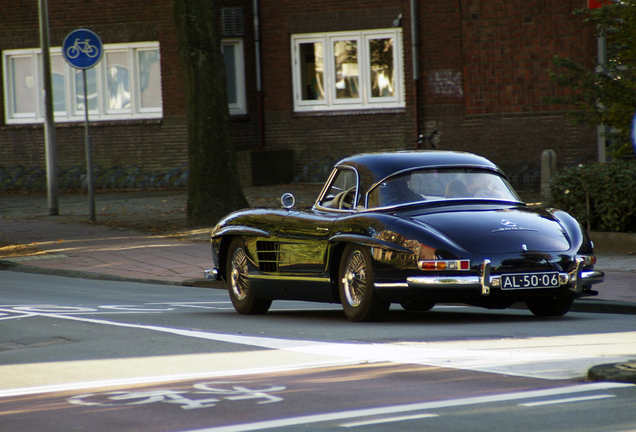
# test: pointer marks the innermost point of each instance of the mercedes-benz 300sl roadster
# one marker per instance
(413, 227)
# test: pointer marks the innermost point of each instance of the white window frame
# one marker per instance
(240, 107)
(365, 100)
(102, 113)
(9, 92)
(133, 71)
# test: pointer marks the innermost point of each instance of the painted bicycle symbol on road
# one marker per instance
(187, 399)
(82, 47)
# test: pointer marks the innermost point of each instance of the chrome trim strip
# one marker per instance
(444, 281)
(289, 278)
(391, 285)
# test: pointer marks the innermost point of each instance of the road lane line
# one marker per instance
(568, 400)
(387, 420)
(424, 406)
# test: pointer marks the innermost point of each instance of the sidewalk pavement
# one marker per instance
(141, 236)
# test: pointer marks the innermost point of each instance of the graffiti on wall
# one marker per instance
(447, 82)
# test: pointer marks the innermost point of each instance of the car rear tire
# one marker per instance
(238, 283)
(357, 292)
(550, 306)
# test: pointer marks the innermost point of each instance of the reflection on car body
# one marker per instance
(412, 227)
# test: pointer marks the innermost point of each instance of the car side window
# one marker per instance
(343, 191)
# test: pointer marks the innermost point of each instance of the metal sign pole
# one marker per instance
(89, 158)
(83, 49)
(49, 122)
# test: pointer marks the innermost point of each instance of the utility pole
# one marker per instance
(49, 122)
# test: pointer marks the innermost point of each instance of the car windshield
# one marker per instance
(440, 184)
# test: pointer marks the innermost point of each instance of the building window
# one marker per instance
(234, 70)
(348, 71)
(125, 84)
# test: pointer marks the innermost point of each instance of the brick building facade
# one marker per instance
(475, 72)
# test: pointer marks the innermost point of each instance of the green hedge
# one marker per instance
(601, 196)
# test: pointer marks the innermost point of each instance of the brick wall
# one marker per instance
(482, 77)
(151, 145)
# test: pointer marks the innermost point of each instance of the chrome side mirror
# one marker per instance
(288, 200)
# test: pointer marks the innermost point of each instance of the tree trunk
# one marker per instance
(214, 189)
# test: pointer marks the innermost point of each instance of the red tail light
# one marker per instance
(444, 265)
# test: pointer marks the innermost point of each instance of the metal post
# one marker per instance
(548, 169)
(49, 122)
(89, 158)
(416, 72)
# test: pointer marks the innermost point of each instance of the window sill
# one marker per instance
(335, 113)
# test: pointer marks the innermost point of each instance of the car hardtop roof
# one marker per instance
(378, 166)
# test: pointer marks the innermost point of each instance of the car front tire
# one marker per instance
(357, 293)
(238, 283)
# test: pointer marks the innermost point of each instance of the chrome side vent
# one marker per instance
(268, 254)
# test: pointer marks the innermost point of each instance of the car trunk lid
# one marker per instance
(500, 230)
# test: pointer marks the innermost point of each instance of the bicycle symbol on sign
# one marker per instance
(85, 47)
(222, 390)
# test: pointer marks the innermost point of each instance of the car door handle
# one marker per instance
(322, 229)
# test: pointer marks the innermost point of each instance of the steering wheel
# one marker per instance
(345, 199)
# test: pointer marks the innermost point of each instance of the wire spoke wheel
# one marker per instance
(238, 277)
(356, 285)
(238, 281)
(355, 279)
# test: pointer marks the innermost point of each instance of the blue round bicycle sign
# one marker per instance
(82, 49)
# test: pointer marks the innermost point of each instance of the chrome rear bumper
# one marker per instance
(577, 279)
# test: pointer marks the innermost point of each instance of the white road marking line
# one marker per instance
(424, 406)
(568, 400)
(387, 420)
(17, 313)
(21, 315)
(520, 360)
(13, 314)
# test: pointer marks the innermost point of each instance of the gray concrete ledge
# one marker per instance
(614, 242)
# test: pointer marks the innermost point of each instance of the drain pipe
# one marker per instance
(259, 79)
(414, 53)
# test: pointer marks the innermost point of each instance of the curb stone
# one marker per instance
(614, 372)
(6, 265)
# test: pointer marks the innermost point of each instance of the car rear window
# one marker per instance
(440, 184)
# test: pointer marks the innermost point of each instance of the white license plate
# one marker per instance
(529, 280)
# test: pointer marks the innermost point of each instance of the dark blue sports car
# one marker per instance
(413, 227)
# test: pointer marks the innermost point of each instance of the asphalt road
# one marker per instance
(83, 354)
